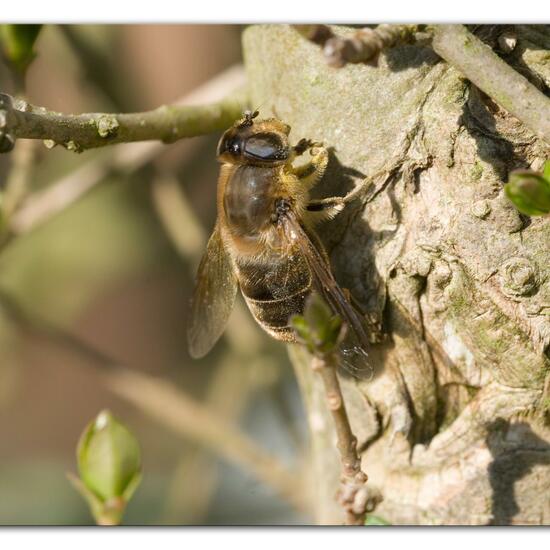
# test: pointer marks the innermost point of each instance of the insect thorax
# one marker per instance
(249, 200)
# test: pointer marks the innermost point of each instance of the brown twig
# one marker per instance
(484, 68)
(189, 238)
(179, 221)
(97, 65)
(177, 411)
(167, 123)
(22, 166)
(362, 46)
(322, 332)
(353, 494)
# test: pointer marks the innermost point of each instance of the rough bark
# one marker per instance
(453, 424)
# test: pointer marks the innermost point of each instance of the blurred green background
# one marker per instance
(106, 270)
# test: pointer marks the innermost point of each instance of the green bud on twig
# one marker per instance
(18, 45)
(318, 328)
(530, 191)
(375, 520)
(109, 464)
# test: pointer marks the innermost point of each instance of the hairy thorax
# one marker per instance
(249, 201)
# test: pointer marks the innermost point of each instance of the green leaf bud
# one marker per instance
(109, 464)
(18, 45)
(529, 191)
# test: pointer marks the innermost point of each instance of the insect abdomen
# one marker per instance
(275, 292)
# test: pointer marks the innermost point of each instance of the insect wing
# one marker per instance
(213, 298)
(326, 283)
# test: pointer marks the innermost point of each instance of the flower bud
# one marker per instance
(109, 464)
(529, 191)
(318, 328)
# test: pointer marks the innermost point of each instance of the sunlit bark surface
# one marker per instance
(453, 421)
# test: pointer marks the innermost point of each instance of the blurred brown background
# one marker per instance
(106, 270)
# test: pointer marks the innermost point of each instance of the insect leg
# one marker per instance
(329, 207)
(310, 173)
(325, 209)
(303, 145)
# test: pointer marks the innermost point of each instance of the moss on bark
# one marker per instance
(461, 280)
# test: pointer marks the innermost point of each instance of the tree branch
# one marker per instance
(484, 68)
(321, 332)
(195, 477)
(43, 205)
(363, 46)
(178, 218)
(189, 238)
(96, 65)
(89, 130)
(177, 411)
(171, 407)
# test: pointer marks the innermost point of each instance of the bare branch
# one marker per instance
(189, 238)
(177, 411)
(362, 47)
(195, 478)
(89, 130)
(171, 407)
(126, 157)
(353, 494)
(96, 66)
(177, 217)
(496, 78)
(321, 333)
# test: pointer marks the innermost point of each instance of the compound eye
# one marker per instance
(231, 145)
(265, 147)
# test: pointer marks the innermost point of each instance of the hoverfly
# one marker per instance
(264, 240)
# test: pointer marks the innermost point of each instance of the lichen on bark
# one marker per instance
(453, 425)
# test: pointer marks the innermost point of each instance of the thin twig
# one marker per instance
(43, 205)
(362, 46)
(189, 238)
(171, 407)
(484, 68)
(167, 123)
(353, 494)
(322, 332)
(176, 410)
(19, 177)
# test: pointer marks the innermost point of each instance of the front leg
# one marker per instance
(310, 173)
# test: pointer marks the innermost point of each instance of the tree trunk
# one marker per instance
(453, 423)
